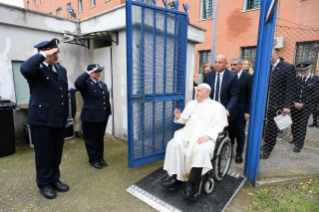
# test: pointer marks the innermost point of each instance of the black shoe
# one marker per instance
(312, 125)
(265, 155)
(189, 190)
(58, 186)
(239, 159)
(297, 150)
(292, 142)
(103, 163)
(172, 183)
(48, 192)
(97, 165)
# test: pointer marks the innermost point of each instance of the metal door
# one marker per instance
(156, 74)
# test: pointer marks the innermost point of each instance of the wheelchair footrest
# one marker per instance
(150, 191)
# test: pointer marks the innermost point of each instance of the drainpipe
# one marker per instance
(214, 36)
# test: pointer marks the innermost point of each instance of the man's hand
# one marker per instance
(92, 71)
(246, 116)
(227, 112)
(298, 105)
(177, 113)
(50, 52)
(285, 111)
(203, 139)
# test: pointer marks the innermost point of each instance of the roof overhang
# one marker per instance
(83, 40)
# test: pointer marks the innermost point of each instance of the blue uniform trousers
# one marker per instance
(237, 130)
(299, 125)
(93, 133)
(48, 147)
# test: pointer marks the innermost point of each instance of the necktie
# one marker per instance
(217, 89)
(304, 80)
(51, 68)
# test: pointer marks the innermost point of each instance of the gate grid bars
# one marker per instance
(156, 74)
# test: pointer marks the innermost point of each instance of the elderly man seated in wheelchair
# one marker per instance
(189, 153)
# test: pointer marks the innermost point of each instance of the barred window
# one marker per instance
(80, 6)
(307, 51)
(93, 3)
(203, 58)
(69, 4)
(252, 4)
(207, 9)
(58, 12)
(35, 2)
(249, 53)
(171, 5)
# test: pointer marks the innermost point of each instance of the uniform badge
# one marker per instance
(92, 83)
(41, 66)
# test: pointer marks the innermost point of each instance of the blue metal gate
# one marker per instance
(156, 72)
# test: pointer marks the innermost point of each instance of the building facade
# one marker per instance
(236, 30)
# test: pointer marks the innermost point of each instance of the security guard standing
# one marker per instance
(95, 113)
(306, 98)
(47, 114)
(315, 111)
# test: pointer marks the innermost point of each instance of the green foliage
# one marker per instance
(302, 196)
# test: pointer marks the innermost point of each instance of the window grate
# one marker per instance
(204, 57)
(252, 4)
(307, 51)
(207, 9)
(249, 53)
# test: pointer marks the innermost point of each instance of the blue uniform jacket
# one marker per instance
(282, 87)
(96, 107)
(310, 91)
(228, 92)
(48, 105)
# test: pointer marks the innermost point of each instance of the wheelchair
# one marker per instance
(221, 162)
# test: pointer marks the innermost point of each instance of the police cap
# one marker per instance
(47, 45)
(304, 66)
(93, 66)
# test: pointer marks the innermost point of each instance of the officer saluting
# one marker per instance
(47, 114)
(306, 98)
(95, 113)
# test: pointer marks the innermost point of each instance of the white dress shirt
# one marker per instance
(239, 73)
(307, 77)
(274, 66)
(220, 83)
(53, 67)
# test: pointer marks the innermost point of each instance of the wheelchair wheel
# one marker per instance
(223, 159)
(209, 185)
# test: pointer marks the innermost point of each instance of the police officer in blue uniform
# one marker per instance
(47, 114)
(305, 99)
(95, 113)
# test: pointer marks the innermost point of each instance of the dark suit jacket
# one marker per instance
(48, 105)
(228, 92)
(96, 107)
(244, 95)
(310, 91)
(282, 87)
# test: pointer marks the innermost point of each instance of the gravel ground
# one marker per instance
(105, 190)
(90, 189)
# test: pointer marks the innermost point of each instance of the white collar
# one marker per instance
(221, 73)
(278, 60)
(307, 77)
(205, 100)
(95, 80)
(239, 73)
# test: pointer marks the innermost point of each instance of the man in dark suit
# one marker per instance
(224, 86)
(315, 111)
(280, 97)
(47, 114)
(237, 126)
(95, 113)
(305, 99)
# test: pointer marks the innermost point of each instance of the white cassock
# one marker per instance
(183, 152)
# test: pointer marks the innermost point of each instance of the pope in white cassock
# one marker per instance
(189, 153)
